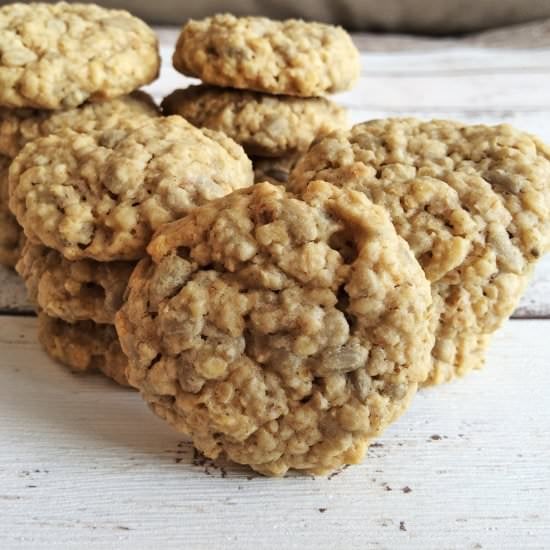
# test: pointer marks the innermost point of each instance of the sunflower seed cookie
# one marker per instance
(113, 118)
(281, 333)
(83, 346)
(274, 170)
(264, 125)
(57, 56)
(471, 201)
(278, 57)
(73, 291)
(11, 235)
(86, 199)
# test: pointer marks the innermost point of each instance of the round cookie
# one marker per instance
(274, 170)
(83, 346)
(282, 333)
(264, 125)
(278, 57)
(11, 235)
(57, 56)
(73, 193)
(471, 201)
(73, 291)
(112, 118)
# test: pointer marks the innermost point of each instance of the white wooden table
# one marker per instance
(83, 464)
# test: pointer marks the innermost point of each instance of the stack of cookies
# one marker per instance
(263, 84)
(89, 203)
(80, 54)
(73, 76)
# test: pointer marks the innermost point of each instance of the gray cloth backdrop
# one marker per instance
(421, 16)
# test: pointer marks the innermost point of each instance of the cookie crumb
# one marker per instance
(322, 510)
(407, 489)
(435, 437)
(402, 526)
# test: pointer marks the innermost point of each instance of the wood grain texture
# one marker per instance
(84, 464)
(402, 76)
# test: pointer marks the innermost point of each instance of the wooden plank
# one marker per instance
(13, 296)
(466, 467)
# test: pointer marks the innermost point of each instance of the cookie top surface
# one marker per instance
(73, 291)
(279, 57)
(11, 235)
(111, 117)
(88, 200)
(57, 56)
(83, 346)
(471, 201)
(283, 333)
(264, 125)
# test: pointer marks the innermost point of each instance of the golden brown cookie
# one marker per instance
(113, 118)
(265, 125)
(83, 346)
(73, 291)
(11, 235)
(57, 56)
(274, 170)
(88, 199)
(278, 57)
(471, 201)
(282, 333)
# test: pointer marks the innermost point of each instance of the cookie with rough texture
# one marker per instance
(278, 57)
(112, 118)
(57, 56)
(265, 125)
(83, 346)
(471, 201)
(11, 235)
(282, 333)
(88, 199)
(274, 170)
(73, 291)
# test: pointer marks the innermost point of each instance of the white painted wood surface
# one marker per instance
(83, 464)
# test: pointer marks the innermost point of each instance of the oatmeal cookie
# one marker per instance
(274, 170)
(265, 125)
(57, 56)
(73, 193)
(282, 333)
(110, 119)
(113, 118)
(83, 346)
(73, 291)
(471, 201)
(11, 235)
(278, 57)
